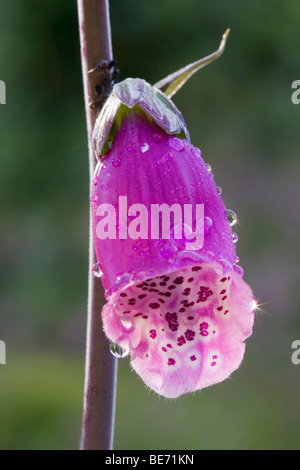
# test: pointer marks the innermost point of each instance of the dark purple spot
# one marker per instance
(139, 285)
(222, 291)
(169, 345)
(162, 283)
(196, 268)
(164, 349)
(190, 318)
(172, 321)
(171, 287)
(204, 293)
(190, 279)
(123, 294)
(225, 297)
(224, 279)
(181, 341)
(171, 362)
(179, 280)
(154, 305)
(219, 308)
(166, 278)
(168, 294)
(145, 316)
(152, 334)
(142, 296)
(226, 311)
(189, 334)
(137, 314)
(182, 310)
(161, 301)
(192, 358)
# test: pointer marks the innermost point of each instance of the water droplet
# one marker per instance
(168, 156)
(97, 270)
(126, 323)
(95, 180)
(235, 237)
(116, 162)
(209, 167)
(239, 270)
(219, 190)
(236, 259)
(123, 281)
(95, 198)
(117, 351)
(196, 152)
(144, 147)
(176, 144)
(207, 225)
(130, 148)
(157, 138)
(231, 216)
(168, 250)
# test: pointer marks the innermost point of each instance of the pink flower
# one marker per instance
(182, 310)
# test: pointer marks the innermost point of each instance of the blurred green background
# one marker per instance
(239, 112)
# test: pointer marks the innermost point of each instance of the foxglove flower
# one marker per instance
(176, 299)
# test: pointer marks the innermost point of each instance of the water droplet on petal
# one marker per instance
(117, 351)
(127, 323)
(239, 270)
(95, 180)
(97, 270)
(144, 147)
(209, 167)
(196, 152)
(157, 138)
(235, 237)
(168, 156)
(123, 280)
(95, 198)
(219, 190)
(207, 225)
(130, 148)
(176, 144)
(116, 162)
(168, 250)
(231, 216)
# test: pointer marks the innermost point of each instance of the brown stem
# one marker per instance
(101, 368)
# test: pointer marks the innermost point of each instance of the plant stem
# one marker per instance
(101, 367)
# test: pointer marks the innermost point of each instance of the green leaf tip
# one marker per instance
(173, 82)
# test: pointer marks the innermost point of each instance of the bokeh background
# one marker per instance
(239, 112)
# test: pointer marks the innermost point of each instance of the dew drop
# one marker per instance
(117, 351)
(231, 217)
(168, 250)
(235, 237)
(196, 152)
(176, 144)
(157, 138)
(130, 148)
(168, 156)
(209, 167)
(239, 270)
(95, 198)
(95, 180)
(144, 147)
(207, 225)
(116, 162)
(219, 190)
(97, 270)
